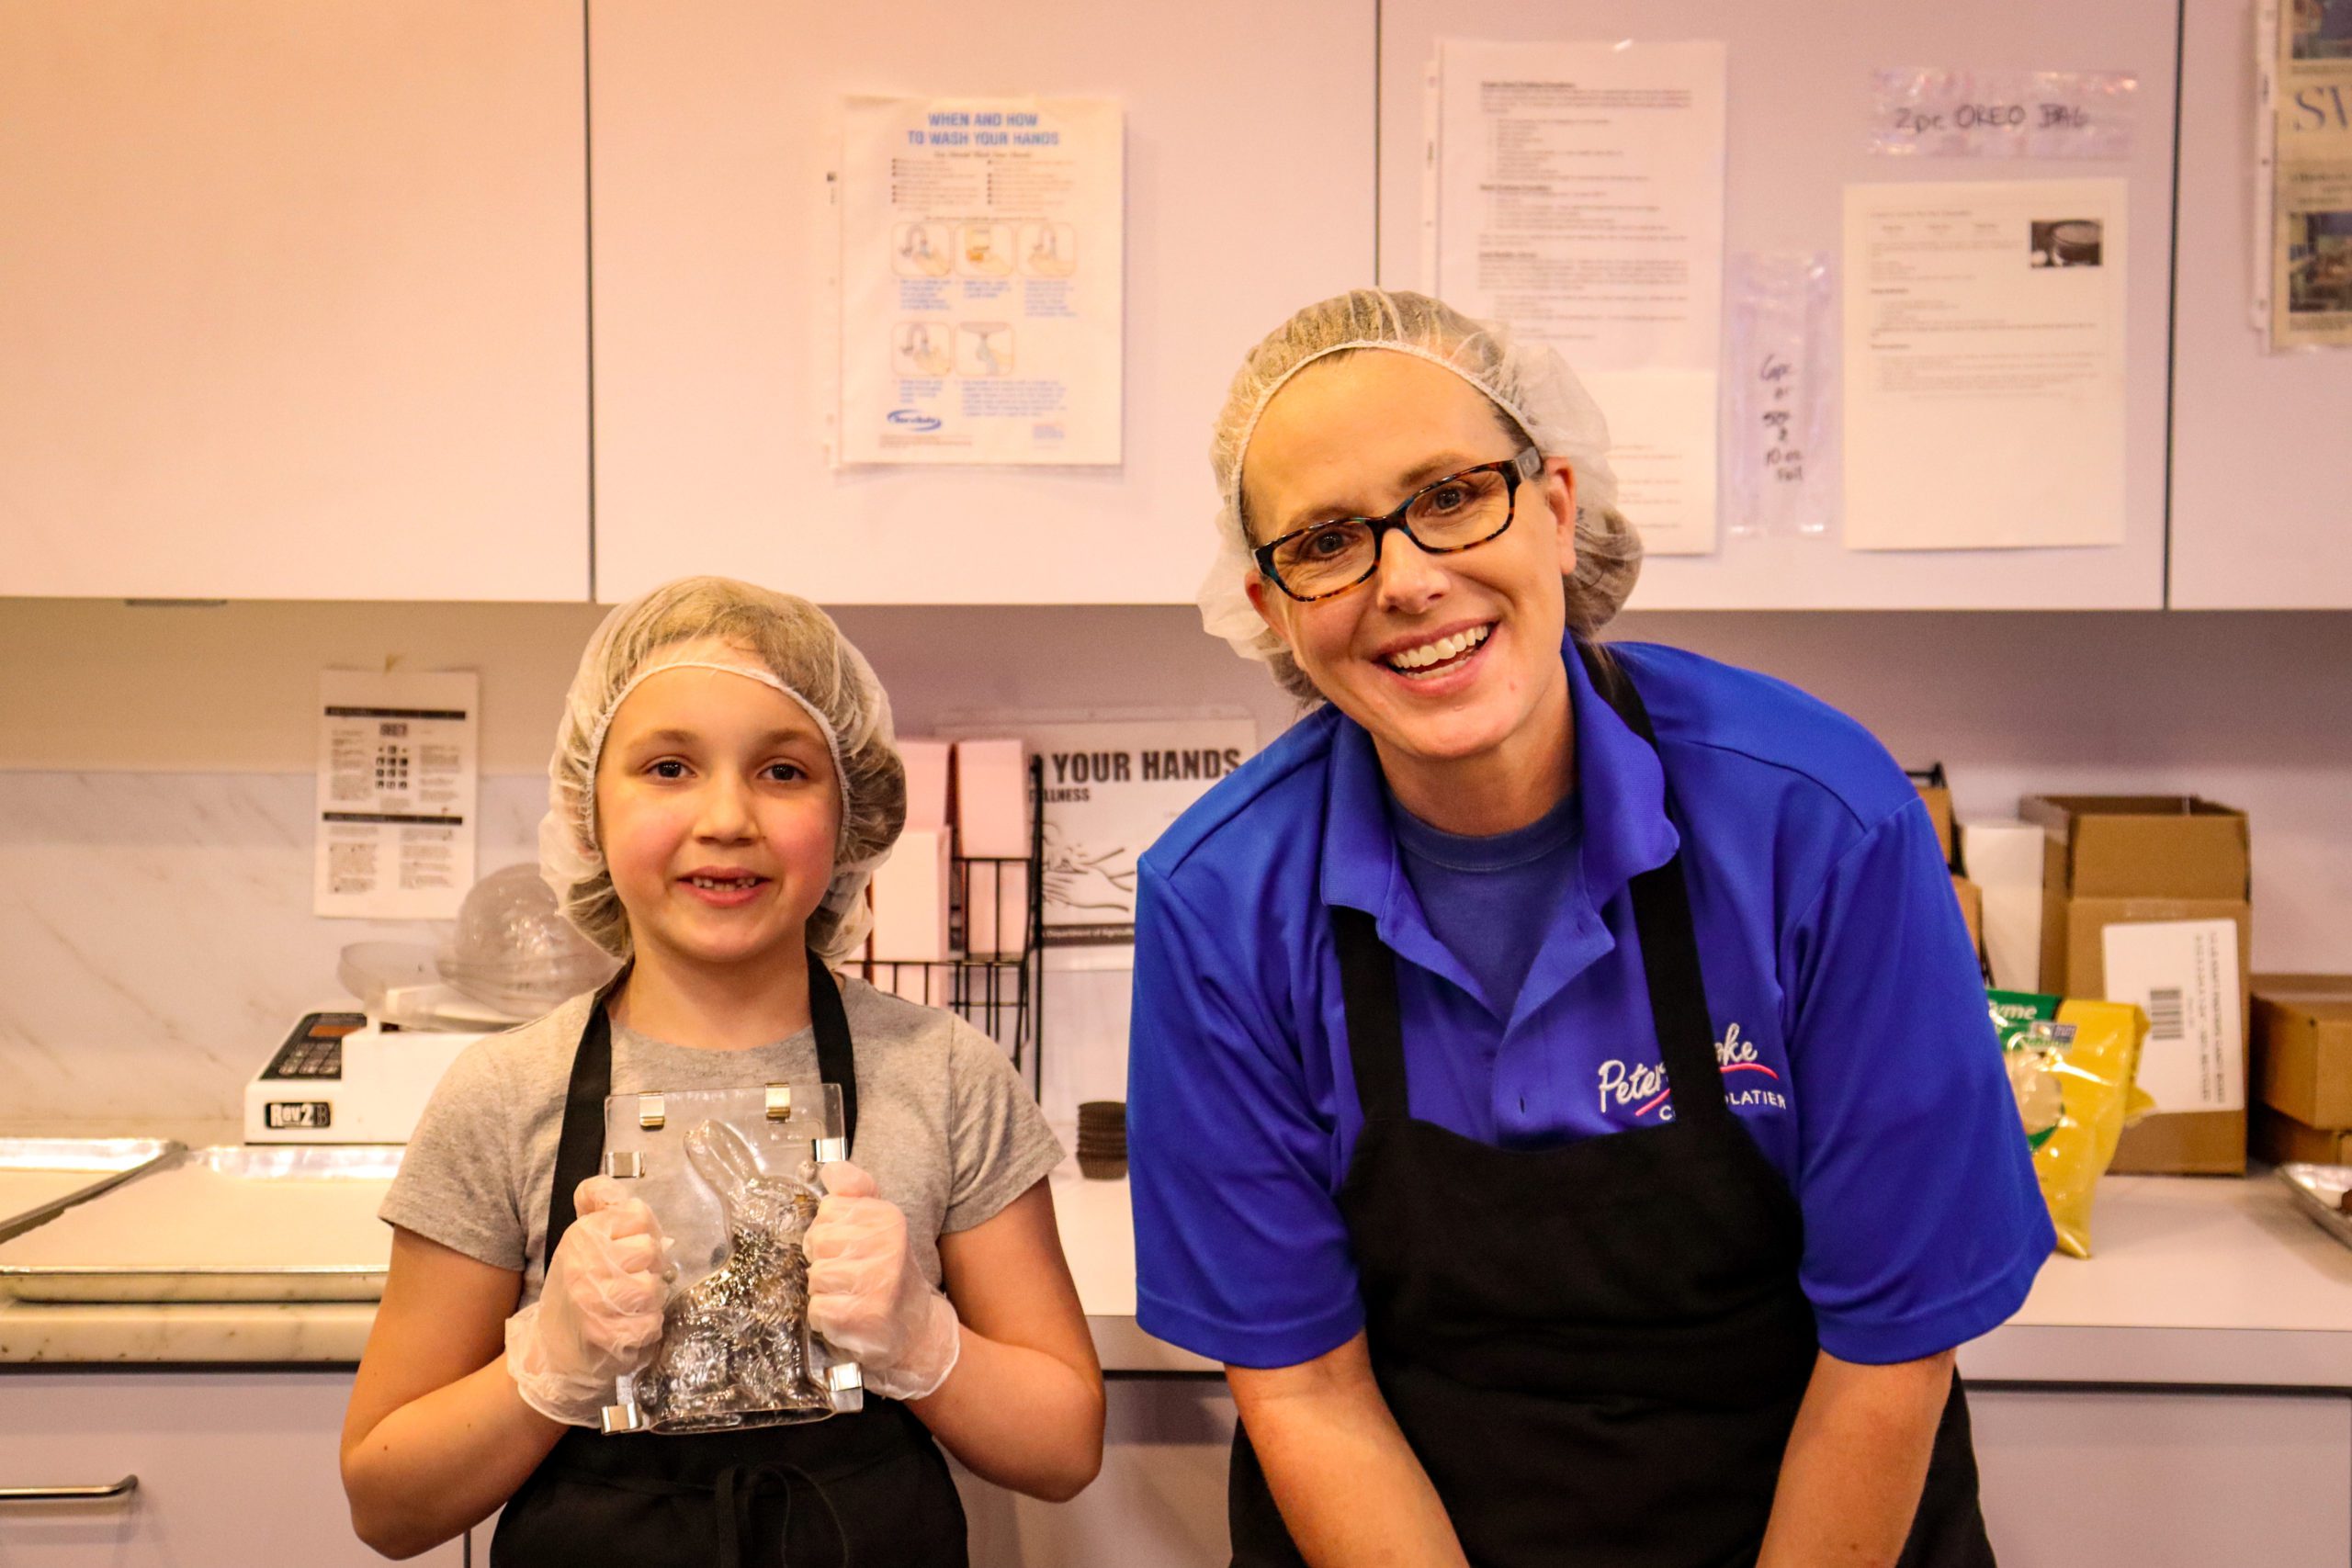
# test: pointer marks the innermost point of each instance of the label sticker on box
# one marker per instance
(2183, 976)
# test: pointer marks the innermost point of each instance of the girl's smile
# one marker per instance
(724, 888)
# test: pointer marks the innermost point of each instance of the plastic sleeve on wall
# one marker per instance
(1780, 394)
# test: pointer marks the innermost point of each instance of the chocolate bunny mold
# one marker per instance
(735, 1344)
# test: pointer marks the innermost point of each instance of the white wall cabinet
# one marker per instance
(1250, 192)
(293, 299)
(1800, 106)
(2156, 1478)
(2261, 443)
(233, 1467)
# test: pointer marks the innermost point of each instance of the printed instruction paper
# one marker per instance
(1580, 199)
(397, 777)
(2305, 189)
(981, 280)
(1984, 362)
(2183, 976)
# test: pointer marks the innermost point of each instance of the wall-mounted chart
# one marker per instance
(963, 222)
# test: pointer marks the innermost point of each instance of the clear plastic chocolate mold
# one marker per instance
(732, 1176)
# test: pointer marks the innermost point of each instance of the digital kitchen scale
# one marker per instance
(345, 1077)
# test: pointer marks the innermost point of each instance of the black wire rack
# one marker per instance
(1001, 992)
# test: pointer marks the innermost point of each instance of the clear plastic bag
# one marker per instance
(513, 950)
(731, 1175)
(1995, 113)
(1780, 396)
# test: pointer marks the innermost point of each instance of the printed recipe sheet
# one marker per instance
(1984, 360)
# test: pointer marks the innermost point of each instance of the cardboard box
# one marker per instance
(2302, 1047)
(1939, 799)
(1971, 909)
(2116, 860)
(2004, 860)
(2278, 1138)
(1972, 901)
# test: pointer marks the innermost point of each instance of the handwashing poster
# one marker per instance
(982, 259)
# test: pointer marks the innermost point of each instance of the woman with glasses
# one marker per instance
(1562, 1092)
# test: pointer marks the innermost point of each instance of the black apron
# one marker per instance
(868, 1488)
(1596, 1349)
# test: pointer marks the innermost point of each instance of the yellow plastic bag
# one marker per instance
(2072, 1064)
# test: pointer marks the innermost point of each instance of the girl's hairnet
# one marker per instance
(1529, 384)
(773, 639)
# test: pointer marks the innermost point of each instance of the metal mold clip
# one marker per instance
(624, 1416)
(846, 1387)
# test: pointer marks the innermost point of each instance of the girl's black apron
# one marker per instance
(1596, 1349)
(868, 1488)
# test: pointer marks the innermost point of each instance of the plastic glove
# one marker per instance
(600, 1313)
(867, 1293)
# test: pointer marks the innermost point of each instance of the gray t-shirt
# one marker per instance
(945, 1125)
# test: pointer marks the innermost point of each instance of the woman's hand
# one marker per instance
(867, 1295)
(600, 1313)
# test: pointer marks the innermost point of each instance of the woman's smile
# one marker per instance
(1440, 663)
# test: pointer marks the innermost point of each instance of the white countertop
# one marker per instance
(2195, 1281)
(2192, 1279)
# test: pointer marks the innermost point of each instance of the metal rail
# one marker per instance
(122, 1488)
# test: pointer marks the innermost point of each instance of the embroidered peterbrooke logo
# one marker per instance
(1634, 1090)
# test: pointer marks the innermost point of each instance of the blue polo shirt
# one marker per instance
(1849, 1010)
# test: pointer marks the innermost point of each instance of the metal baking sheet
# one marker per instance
(40, 1178)
(2319, 1189)
(220, 1224)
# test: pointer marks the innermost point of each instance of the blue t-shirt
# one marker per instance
(1849, 1010)
(1471, 889)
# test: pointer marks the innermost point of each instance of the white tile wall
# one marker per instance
(156, 939)
(155, 932)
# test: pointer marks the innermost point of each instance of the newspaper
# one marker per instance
(2305, 50)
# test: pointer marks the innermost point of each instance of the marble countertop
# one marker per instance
(2196, 1282)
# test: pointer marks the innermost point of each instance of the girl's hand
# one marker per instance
(867, 1293)
(600, 1313)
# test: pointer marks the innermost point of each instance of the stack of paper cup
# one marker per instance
(1102, 1139)
(993, 824)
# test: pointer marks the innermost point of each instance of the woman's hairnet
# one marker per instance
(1530, 385)
(780, 641)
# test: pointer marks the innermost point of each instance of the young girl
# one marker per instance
(724, 779)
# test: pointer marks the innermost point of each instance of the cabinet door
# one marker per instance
(2165, 1478)
(233, 1467)
(1799, 110)
(1250, 192)
(2261, 443)
(1159, 1502)
(293, 299)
